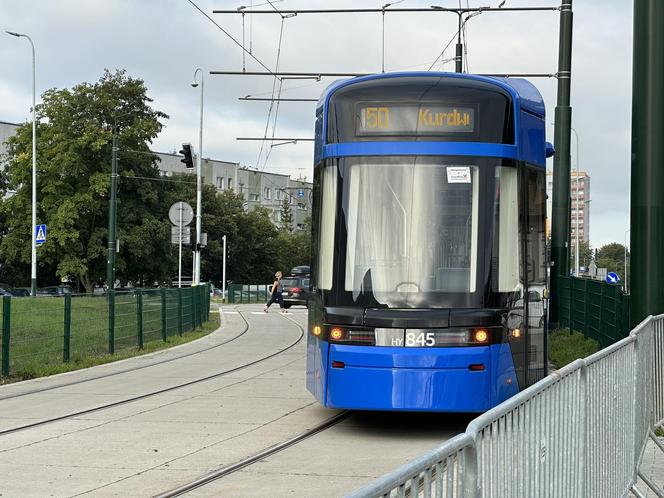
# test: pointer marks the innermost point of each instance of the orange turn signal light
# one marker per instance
(516, 333)
(481, 335)
(336, 334)
(317, 330)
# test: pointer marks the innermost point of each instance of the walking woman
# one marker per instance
(277, 288)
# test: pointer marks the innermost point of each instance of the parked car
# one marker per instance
(8, 290)
(55, 290)
(295, 290)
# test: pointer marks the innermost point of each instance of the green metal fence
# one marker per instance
(597, 309)
(248, 293)
(40, 331)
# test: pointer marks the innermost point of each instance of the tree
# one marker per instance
(74, 135)
(585, 254)
(612, 257)
(286, 215)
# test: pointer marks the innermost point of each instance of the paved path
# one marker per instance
(154, 444)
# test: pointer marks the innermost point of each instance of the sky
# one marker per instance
(164, 41)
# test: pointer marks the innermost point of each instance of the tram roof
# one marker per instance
(523, 91)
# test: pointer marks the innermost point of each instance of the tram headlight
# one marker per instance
(336, 334)
(481, 336)
(317, 330)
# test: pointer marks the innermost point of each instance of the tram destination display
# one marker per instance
(375, 119)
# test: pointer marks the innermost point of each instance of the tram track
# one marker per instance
(127, 370)
(164, 390)
(254, 458)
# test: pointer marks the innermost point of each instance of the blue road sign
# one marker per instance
(300, 193)
(612, 278)
(40, 234)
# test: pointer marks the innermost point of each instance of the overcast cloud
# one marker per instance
(162, 42)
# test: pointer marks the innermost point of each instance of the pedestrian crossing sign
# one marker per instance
(40, 234)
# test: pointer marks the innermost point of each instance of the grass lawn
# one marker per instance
(37, 331)
(564, 347)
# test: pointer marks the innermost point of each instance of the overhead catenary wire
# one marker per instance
(229, 36)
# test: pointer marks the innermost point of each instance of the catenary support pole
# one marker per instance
(110, 266)
(199, 190)
(560, 231)
(647, 201)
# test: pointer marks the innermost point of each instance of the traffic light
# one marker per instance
(188, 159)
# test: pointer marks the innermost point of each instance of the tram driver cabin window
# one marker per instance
(412, 226)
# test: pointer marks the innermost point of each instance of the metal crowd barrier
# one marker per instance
(579, 432)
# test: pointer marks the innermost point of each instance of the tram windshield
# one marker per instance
(412, 227)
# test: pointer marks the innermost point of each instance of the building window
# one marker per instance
(220, 182)
(267, 192)
(253, 197)
(241, 188)
(301, 206)
(230, 184)
(278, 194)
(300, 226)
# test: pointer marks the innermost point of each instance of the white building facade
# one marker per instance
(259, 188)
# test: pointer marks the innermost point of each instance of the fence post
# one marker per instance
(111, 321)
(208, 298)
(67, 331)
(6, 327)
(194, 307)
(163, 313)
(180, 310)
(139, 317)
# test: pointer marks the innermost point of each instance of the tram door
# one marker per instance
(535, 295)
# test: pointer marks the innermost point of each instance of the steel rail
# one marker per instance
(132, 369)
(155, 393)
(256, 457)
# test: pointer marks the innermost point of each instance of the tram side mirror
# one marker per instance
(550, 151)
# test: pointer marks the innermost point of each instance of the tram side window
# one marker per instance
(326, 240)
(506, 247)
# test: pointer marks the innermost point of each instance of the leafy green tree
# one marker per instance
(585, 254)
(286, 216)
(74, 142)
(612, 257)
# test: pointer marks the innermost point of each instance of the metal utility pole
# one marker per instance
(560, 230)
(647, 201)
(33, 247)
(223, 274)
(197, 250)
(110, 266)
(458, 59)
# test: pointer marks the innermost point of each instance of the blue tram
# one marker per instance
(428, 252)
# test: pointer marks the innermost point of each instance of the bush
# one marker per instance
(566, 346)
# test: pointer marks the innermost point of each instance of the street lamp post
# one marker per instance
(197, 252)
(223, 274)
(33, 258)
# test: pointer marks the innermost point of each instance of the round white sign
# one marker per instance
(181, 213)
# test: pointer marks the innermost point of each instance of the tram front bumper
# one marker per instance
(409, 379)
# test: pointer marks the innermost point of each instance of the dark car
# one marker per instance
(56, 290)
(295, 290)
(8, 290)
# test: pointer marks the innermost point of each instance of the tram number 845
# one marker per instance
(376, 117)
(421, 339)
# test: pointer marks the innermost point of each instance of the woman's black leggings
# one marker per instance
(276, 297)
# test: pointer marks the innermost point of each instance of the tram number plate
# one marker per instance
(420, 339)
